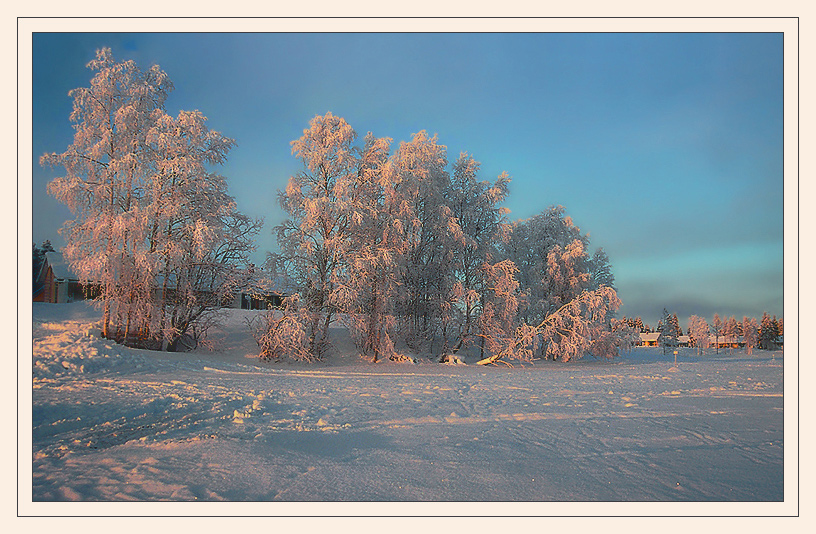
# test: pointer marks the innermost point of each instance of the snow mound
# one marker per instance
(74, 347)
(451, 359)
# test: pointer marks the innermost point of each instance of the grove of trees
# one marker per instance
(403, 247)
(412, 252)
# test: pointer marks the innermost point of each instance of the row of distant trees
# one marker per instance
(764, 334)
(410, 251)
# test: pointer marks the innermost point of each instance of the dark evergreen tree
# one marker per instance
(600, 270)
(675, 324)
(669, 330)
(768, 332)
(716, 329)
(37, 263)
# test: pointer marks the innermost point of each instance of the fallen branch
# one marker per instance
(492, 361)
(525, 334)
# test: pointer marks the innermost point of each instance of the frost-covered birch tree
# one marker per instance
(699, 333)
(475, 206)
(430, 232)
(554, 271)
(497, 320)
(576, 328)
(550, 253)
(106, 166)
(317, 203)
(199, 240)
(750, 333)
(371, 254)
(150, 220)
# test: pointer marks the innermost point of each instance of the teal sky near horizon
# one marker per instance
(666, 148)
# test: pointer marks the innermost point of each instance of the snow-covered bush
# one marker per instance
(451, 359)
(282, 334)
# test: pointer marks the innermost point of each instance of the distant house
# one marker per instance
(726, 342)
(683, 341)
(262, 293)
(44, 287)
(257, 301)
(57, 283)
(649, 339)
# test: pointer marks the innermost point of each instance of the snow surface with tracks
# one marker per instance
(111, 423)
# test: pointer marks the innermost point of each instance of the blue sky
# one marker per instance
(666, 148)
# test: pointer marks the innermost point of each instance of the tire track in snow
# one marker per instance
(521, 417)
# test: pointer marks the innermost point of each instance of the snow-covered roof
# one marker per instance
(684, 339)
(265, 283)
(61, 269)
(649, 336)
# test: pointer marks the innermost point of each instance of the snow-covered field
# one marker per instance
(118, 424)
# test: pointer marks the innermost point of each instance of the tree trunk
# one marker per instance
(106, 319)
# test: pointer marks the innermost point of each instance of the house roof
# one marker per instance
(684, 339)
(649, 336)
(60, 269)
(265, 283)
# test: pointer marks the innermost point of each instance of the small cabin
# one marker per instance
(649, 339)
(263, 291)
(258, 301)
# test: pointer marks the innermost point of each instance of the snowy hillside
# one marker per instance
(118, 424)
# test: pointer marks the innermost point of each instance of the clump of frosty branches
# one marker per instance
(282, 334)
(577, 328)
